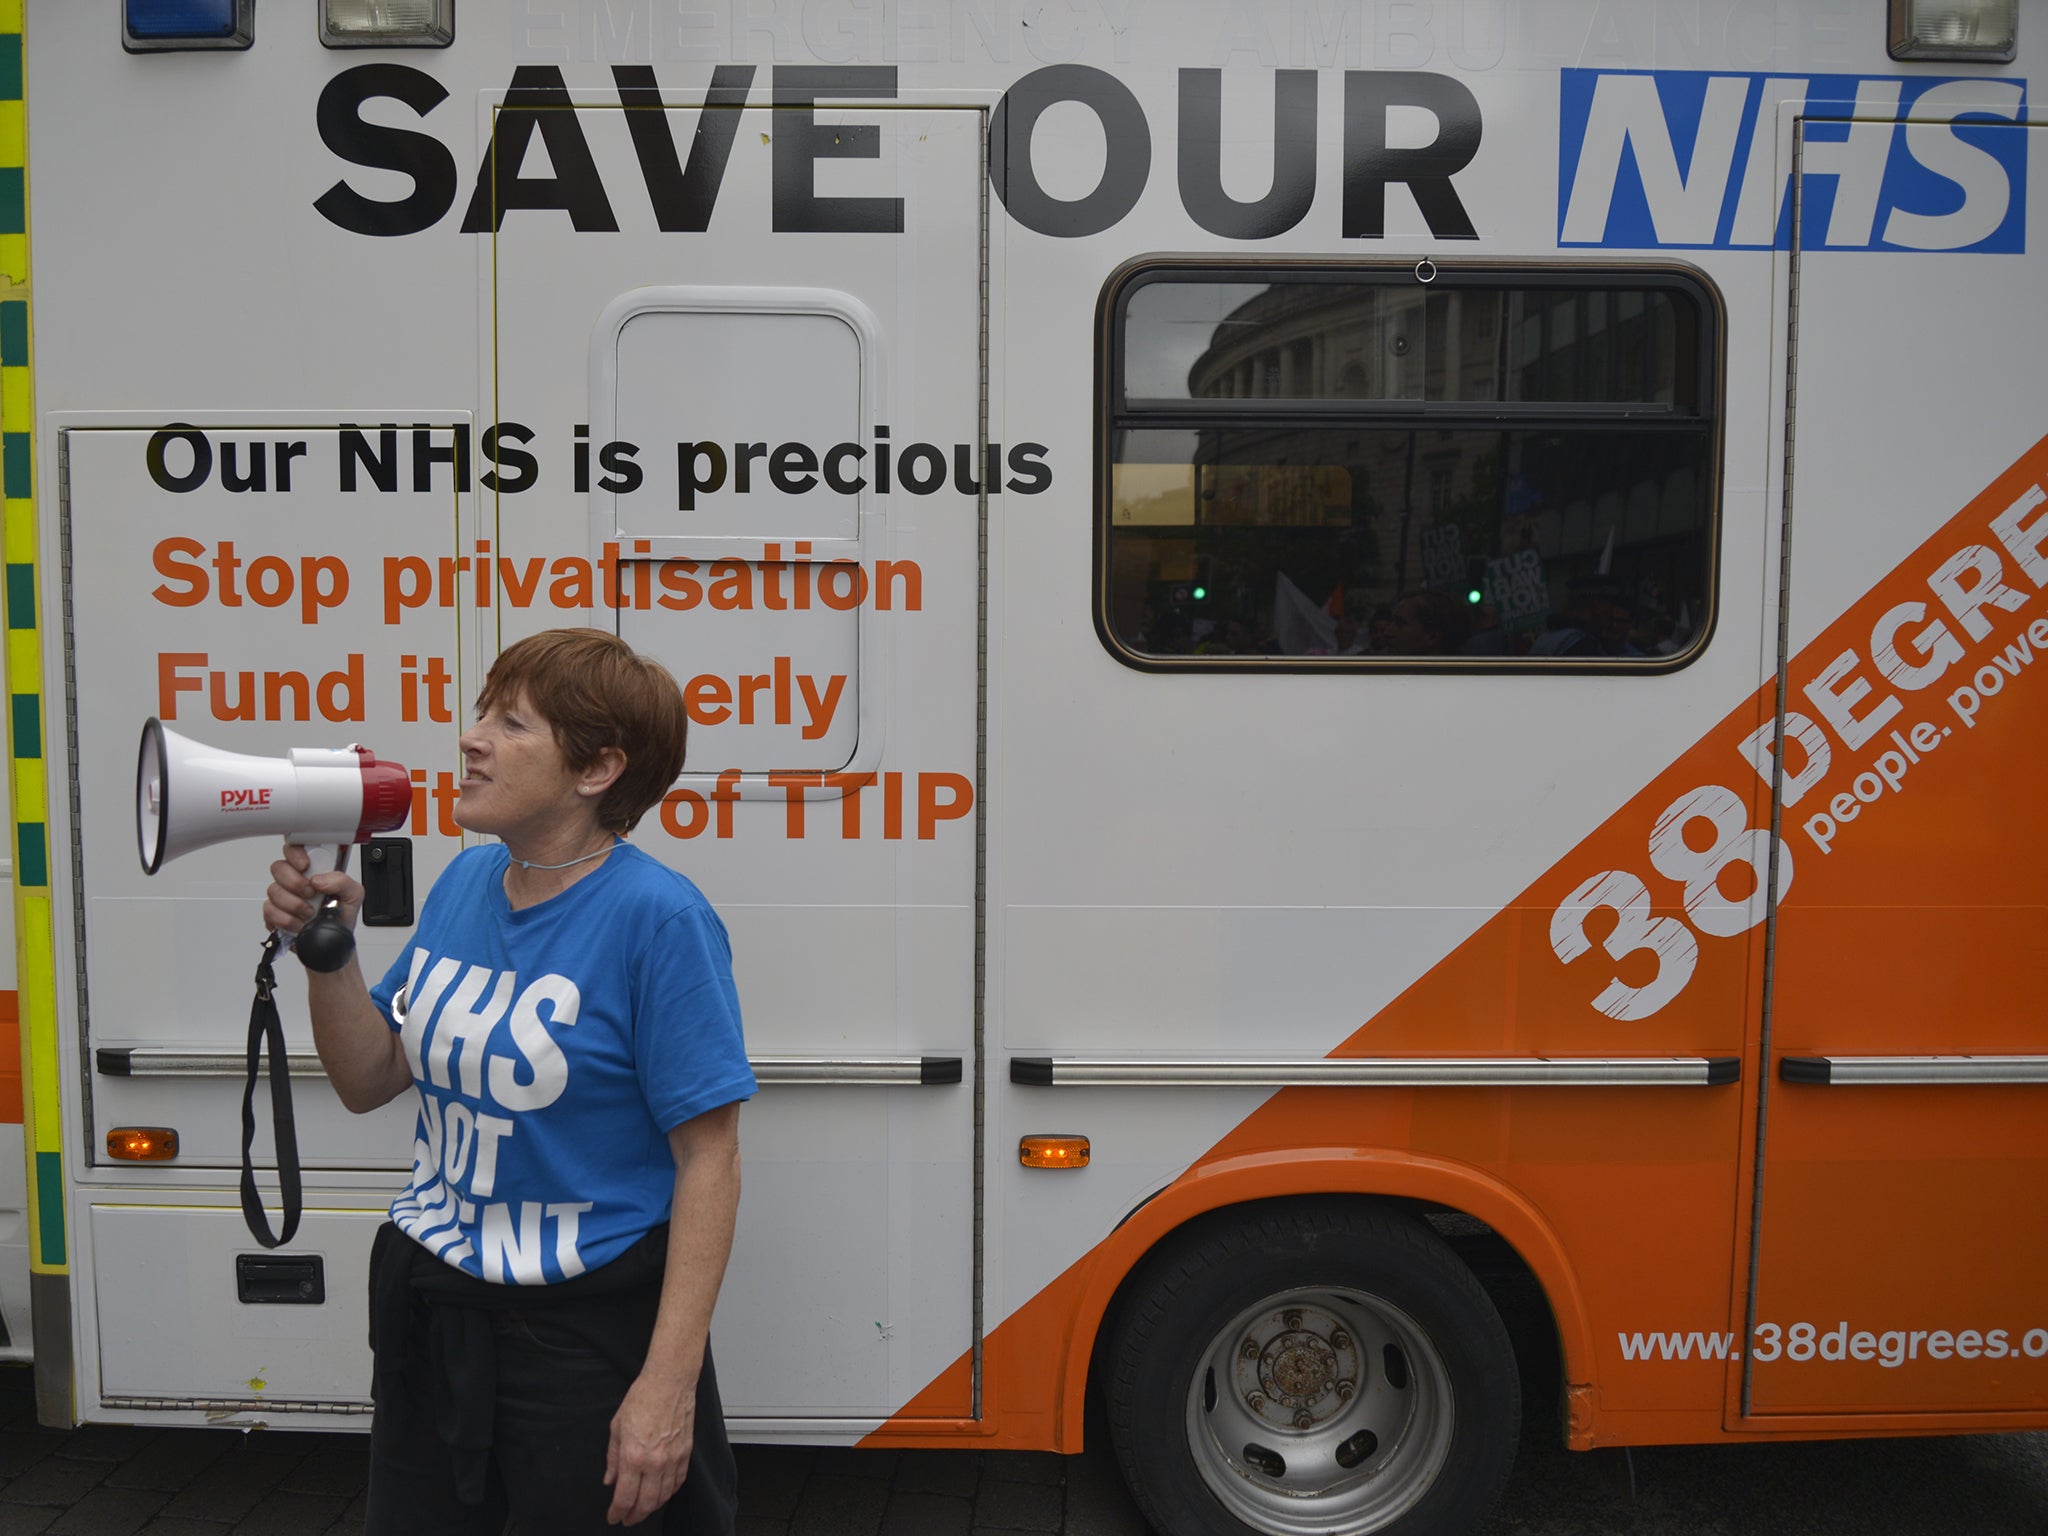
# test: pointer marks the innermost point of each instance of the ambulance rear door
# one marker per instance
(1904, 1206)
(778, 391)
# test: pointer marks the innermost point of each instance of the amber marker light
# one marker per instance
(142, 1143)
(1053, 1151)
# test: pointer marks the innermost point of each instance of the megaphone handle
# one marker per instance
(323, 944)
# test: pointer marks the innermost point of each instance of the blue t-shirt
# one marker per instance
(554, 1048)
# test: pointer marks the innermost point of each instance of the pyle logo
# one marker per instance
(245, 799)
(1892, 163)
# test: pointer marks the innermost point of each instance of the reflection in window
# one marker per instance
(1378, 469)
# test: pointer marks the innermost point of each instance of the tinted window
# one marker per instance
(1371, 468)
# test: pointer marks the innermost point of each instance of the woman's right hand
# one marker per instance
(296, 892)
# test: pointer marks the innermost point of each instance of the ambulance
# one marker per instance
(1351, 664)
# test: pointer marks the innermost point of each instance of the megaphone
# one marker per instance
(189, 795)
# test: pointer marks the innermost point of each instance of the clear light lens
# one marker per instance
(388, 21)
(1955, 29)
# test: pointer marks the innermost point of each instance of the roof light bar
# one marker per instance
(387, 23)
(1985, 30)
(182, 26)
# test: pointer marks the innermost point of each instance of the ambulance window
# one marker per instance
(1352, 467)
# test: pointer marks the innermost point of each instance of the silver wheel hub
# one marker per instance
(1320, 1412)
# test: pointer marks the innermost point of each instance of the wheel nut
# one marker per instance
(1304, 1419)
(1345, 1391)
(1255, 1401)
(1340, 1340)
(1251, 1349)
(1292, 1320)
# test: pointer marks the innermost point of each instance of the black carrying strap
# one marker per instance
(265, 1028)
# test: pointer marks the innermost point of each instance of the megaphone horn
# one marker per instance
(189, 795)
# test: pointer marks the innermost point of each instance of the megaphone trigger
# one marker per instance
(324, 943)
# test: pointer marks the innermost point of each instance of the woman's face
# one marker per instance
(515, 783)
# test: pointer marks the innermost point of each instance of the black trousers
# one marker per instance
(551, 1428)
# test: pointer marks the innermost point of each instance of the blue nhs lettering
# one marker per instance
(1891, 163)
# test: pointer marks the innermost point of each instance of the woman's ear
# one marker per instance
(603, 772)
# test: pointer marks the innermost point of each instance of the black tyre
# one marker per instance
(1312, 1369)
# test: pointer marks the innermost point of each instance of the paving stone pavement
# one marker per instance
(111, 1481)
(106, 1480)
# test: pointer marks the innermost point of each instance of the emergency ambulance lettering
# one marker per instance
(1626, 115)
(537, 100)
(1887, 162)
(320, 581)
(683, 195)
(800, 143)
(420, 156)
(1936, 645)
(1837, 692)
(338, 695)
(1801, 732)
(515, 469)
(1966, 599)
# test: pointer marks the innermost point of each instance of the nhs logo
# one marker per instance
(1892, 163)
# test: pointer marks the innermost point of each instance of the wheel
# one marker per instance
(1314, 1369)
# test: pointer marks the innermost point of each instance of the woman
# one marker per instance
(566, 1013)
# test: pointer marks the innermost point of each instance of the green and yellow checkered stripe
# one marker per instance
(27, 722)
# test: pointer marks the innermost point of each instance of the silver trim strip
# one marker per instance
(840, 1070)
(232, 1405)
(1392, 1072)
(1867, 1070)
(160, 1061)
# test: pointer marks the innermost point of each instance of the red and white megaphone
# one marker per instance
(188, 795)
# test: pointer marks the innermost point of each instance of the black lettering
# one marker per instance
(921, 482)
(419, 155)
(582, 474)
(1029, 472)
(285, 453)
(537, 99)
(425, 455)
(743, 456)
(965, 480)
(517, 470)
(1369, 164)
(621, 473)
(231, 477)
(792, 469)
(683, 195)
(1125, 167)
(838, 455)
(382, 465)
(1201, 156)
(202, 458)
(799, 143)
(687, 482)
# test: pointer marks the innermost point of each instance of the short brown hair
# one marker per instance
(596, 692)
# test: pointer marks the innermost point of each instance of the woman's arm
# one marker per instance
(656, 1425)
(361, 1052)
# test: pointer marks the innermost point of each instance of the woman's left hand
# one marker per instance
(652, 1434)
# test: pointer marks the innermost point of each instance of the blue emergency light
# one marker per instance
(168, 26)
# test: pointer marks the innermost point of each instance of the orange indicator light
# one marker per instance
(142, 1143)
(1053, 1151)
